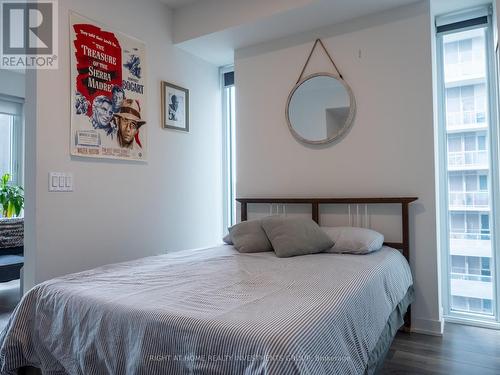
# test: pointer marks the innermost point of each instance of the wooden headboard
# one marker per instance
(404, 246)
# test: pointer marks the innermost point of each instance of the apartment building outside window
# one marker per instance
(464, 58)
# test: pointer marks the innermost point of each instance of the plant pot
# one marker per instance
(11, 232)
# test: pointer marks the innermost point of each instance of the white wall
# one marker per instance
(390, 148)
(123, 210)
(12, 83)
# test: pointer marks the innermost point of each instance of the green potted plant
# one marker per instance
(11, 198)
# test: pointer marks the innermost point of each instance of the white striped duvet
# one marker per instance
(211, 311)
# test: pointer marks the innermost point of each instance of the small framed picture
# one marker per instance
(174, 107)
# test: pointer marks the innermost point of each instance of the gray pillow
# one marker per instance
(227, 239)
(249, 237)
(354, 240)
(295, 236)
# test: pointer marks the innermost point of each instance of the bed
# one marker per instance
(214, 311)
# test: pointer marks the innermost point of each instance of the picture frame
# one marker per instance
(174, 107)
(104, 93)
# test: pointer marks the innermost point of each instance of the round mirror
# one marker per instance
(320, 108)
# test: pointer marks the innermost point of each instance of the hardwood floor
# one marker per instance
(462, 350)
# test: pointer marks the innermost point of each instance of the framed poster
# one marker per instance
(108, 93)
(174, 107)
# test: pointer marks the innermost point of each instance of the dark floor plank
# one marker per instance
(462, 350)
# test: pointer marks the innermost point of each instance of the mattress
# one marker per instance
(210, 311)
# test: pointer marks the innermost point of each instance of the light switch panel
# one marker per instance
(60, 181)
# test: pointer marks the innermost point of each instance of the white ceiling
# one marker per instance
(218, 45)
(214, 29)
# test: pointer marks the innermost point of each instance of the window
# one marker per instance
(455, 144)
(11, 138)
(456, 182)
(474, 265)
(460, 303)
(473, 305)
(470, 182)
(485, 267)
(457, 222)
(481, 142)
(467, 133)
(487, 305)
(467, 148)
(483, 183)
(485, 225)
(6, 143)
(465, 50)
(458, 264)
(228, 136)
(465, 104)
(451, 52)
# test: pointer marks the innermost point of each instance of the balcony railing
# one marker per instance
(477, 159)
(469, 277)
(481, 236)
(459, 120)
(464, 200)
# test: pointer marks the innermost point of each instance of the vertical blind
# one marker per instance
(464, 19)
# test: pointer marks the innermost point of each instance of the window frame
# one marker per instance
(228, 152)
(17, 138)
(493, 181)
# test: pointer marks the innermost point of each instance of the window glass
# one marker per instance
(475, 305)
(457, 222)
(465, 45)
(6, 143)
(480, 102)
(465, 50)
(467, 169)
(470, 142)
(483, 182)
(474, 264)
(451, 52)
(471, 182)
(485, 223)
(468, 100)
(459, 303)
(472, 222)
(485, 266)
(454, 144)
(456, 183)
(467, 91)
(453, 99)
(487, 306)
(481, 142)
(457, 264)
(228, 147)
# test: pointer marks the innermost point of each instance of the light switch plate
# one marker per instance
(60, 181)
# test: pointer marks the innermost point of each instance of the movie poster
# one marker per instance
(108, 99)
